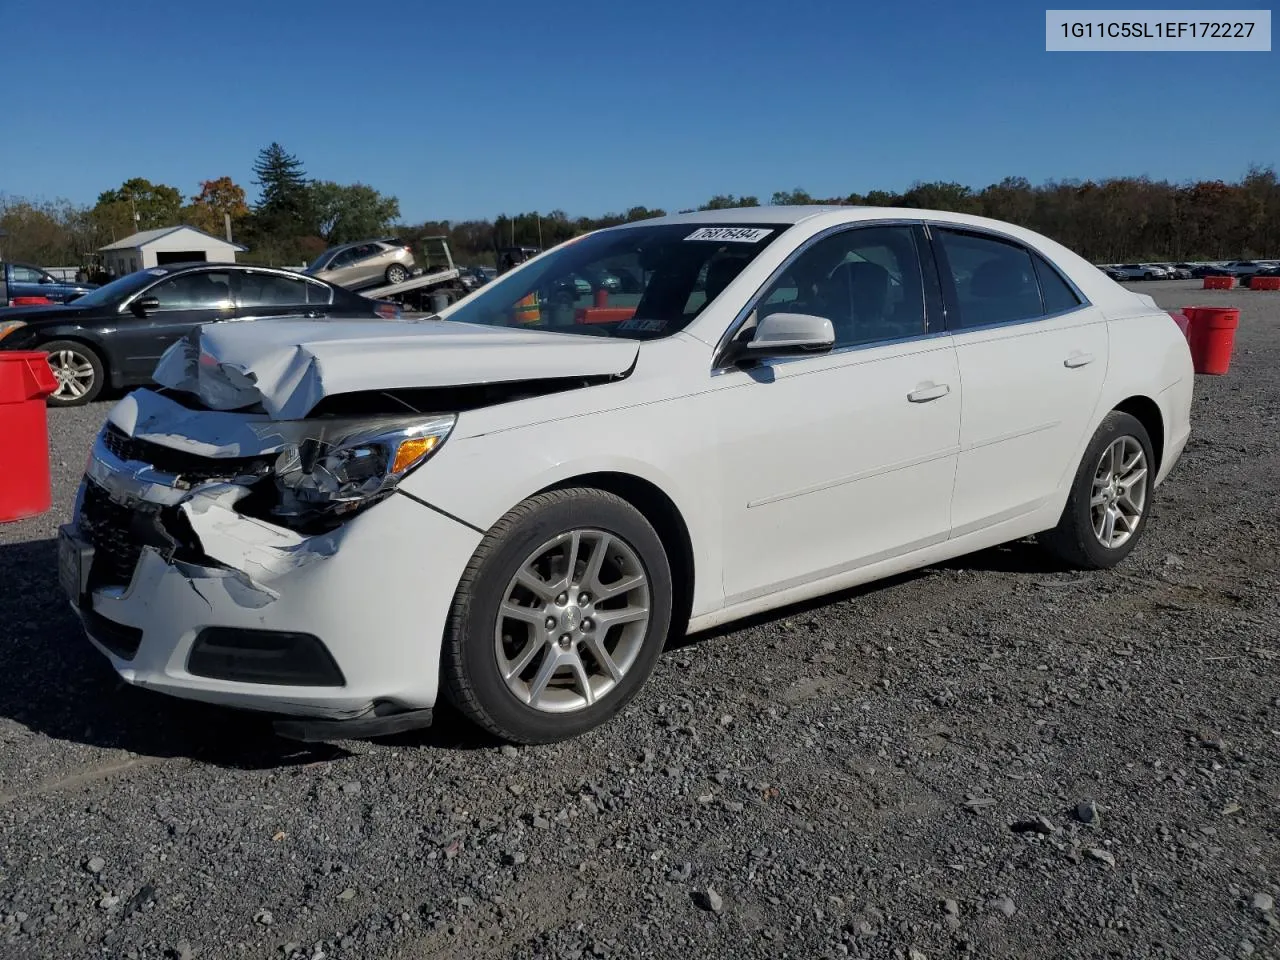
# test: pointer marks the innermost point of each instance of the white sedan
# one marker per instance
(517, 503)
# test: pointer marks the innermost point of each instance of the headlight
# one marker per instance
(8, 326)
(343, 465)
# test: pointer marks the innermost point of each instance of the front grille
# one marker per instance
(117, 534)
(190, 466)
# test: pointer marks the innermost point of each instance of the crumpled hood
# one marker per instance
(289, 365)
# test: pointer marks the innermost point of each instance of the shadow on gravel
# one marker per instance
(57, 684)
(1022, 556)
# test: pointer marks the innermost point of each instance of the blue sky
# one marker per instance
(470, 110)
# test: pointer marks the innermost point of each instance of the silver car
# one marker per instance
(365, 262)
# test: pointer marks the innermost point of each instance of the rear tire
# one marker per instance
(79, 371)
(1110, 500)
(559, 618)
(397, 273)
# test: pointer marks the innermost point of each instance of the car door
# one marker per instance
(182, 302)
(260, 293)
(368, 266)
(836, 461)
(343, 268)
(1033, 356)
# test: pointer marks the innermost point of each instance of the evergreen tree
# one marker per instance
(284, 204)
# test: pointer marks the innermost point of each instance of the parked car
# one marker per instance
(365, 263)
(1139, 271)
(1179, 271)
(23, 280)
(1243, 268)
(115, 334)
(344, 522)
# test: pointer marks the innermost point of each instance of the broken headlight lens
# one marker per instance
(343, 465)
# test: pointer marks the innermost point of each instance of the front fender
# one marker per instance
(479, 479)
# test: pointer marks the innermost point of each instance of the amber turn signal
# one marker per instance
(412, 451)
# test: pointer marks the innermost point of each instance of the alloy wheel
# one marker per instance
(1119, 493)
(573, 621)
(74, 374)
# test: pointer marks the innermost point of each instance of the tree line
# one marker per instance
(294, 217)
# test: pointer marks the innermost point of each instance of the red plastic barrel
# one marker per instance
(1212, 337)
(25, 381)
(30, 301)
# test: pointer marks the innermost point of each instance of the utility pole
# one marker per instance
(226, 220)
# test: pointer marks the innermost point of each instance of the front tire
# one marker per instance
(78, 370)
(1110, 500)
(396, 273)
(560, 617)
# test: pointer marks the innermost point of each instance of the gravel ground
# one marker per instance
(990, 758)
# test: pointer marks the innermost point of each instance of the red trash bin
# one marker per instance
(1212, 336)
(25, 381)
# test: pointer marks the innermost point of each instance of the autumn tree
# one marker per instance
(216, 200)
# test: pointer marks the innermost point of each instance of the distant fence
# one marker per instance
(65, 274)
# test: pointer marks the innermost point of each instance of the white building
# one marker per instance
(155, 248)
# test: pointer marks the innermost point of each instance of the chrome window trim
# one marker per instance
(718, 364)
(228, 268)
(1084, 303)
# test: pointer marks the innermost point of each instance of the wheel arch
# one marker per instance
(1147, 412)
(77, 336)
(661, 511)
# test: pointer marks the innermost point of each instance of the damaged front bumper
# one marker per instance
(187, 596)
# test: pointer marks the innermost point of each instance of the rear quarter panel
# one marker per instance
(1150, 358)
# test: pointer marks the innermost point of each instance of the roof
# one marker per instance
(145, 237)
(765, 214)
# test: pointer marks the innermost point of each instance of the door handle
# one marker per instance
(928, 391)
(1078, 359)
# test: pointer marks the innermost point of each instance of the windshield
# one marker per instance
(117, 290)
(633, 282)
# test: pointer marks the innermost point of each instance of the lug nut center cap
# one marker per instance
(571, 619)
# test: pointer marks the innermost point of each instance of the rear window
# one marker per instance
(638, 282)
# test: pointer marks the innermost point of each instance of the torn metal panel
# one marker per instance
(159, 419)
(259, 549)
(287, 366)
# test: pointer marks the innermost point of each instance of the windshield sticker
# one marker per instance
(730, 234)
(643, 324)
(156, 272)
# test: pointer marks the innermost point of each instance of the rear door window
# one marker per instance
(994, 279)
(267, 290)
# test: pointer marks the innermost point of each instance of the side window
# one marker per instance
(1058, 296)
(319, 294)
(343, 259)
(866, 281)
(25, 275)
(194, 291)
(995, 280)
(271, 290)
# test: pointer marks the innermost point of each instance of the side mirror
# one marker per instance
(144, 305)
(790, 334)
